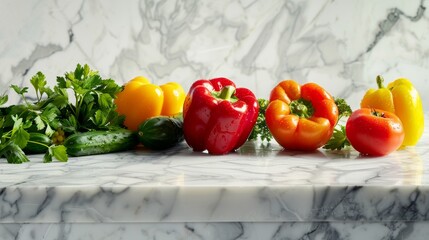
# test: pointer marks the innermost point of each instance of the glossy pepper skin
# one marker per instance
(401, 98)
(141, 100)
(217, 116)
(301, 117)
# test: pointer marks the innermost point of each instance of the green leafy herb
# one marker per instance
(260, 130)
(344, 109)
(93, 109)
(19, 90)
(3, 99)
(12, 142)
(339, 139)
(39, 83)
(47, 158)
(59, 152)
(13, 153)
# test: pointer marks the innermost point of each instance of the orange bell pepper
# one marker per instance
(301, 117)
(141, 100)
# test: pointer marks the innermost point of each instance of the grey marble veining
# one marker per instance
(260, 192)
(258, 183)
(341, 45)
(216, 231)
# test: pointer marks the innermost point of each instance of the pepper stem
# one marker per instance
(301, 108)
(227, 92)
(377, 114)
(380, 81)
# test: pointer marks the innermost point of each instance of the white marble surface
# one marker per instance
(341, 45)
(257, 193)
(255, 184)
(219, 231)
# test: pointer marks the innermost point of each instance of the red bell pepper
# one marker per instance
(217, 116)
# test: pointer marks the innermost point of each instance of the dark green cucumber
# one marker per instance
(100, 142)
(38, 143)
(161, 132)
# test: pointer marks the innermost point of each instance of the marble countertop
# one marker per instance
(259, 182)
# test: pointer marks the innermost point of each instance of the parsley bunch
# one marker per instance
(260, 130)
(90, 107)
(93, 108)
(339, 139)
(17, 121)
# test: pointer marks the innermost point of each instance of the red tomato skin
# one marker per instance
(374, 135)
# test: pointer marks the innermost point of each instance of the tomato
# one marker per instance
(374, 132)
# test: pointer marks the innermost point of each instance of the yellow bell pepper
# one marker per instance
(140, 100)
(401, 98)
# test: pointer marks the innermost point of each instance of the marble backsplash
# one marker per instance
(341, 45)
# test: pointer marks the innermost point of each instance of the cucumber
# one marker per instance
(161, 132)
(38, 143)
(100, 142)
